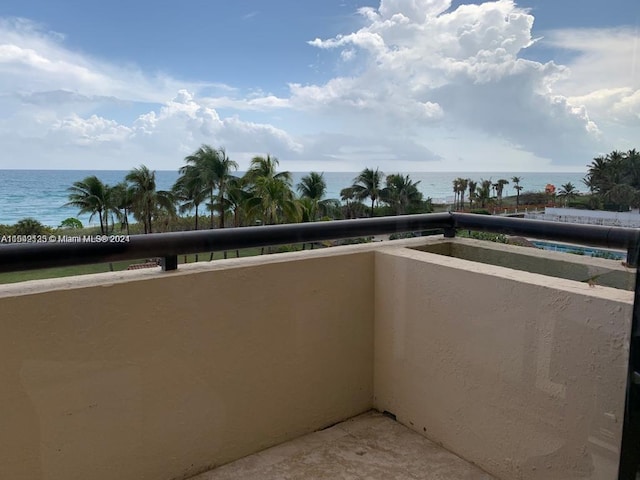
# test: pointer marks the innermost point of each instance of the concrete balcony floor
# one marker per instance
(370, 446)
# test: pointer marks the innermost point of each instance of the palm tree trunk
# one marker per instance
(106, 221)
(126, 220)
(196, 218)
(149, 216)
(211, 197)
(221, 206)
(101, 221)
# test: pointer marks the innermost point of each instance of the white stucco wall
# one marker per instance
(522, 374)
(163, 377)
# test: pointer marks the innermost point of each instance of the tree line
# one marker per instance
(614, 180)
(262, 196)
(482, 193)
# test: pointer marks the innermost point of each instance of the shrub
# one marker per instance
(533, 198)
(491, 237)
(605, 255)
(398, 236)
(71, 222)
(29, 226)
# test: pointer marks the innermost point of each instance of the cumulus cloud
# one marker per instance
(161, 137)
(65, 108)
(605, 75)
(186, 120)
(428, 65)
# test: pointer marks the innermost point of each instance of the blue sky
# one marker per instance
(411, 85)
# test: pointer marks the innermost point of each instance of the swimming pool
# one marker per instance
(579, 250)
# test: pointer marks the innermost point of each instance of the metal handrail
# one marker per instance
(58, 251)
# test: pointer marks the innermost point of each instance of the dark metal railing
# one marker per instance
(56, 251)
(629, 468)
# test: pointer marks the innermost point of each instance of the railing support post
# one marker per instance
(629, 468)
(632, 255)
(169, 263)
(450, 232)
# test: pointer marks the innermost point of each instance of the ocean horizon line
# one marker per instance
(439, 172)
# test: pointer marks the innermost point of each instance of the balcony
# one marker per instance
(148, 374)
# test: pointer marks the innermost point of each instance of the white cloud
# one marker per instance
(260, 103)
(34, 60)
(605, 75)
(421, 86)
(51, 103)
(89, 131)
(427, 65)
(160, 138)
(186, 120)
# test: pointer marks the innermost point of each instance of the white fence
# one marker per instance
(589, 217)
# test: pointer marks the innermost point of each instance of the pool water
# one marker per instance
(578, 250)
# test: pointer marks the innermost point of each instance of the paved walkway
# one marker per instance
(370, 446)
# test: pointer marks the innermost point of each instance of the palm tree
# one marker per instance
(632, 168)
(348, 196)
(189, 189)
(240, 200)
(499, 186)
(277, 203)
(568, 192)
(367, 185)
(622, 195)
(93, 197)
(518, 188)
(266, 167)
(463, 183)
(484, 192)
(615, 176)
(314, 188)
(456, 191)
(472, 191)
(222, 171)
(122, 195)
(401, 193)
(147, 201)
(213, 168)
(275, 200)
(202, 161)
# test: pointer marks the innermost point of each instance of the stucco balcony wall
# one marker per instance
(519, 373)
(151, 375)
(595, 271)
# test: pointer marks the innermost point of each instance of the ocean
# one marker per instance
(42, 194)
